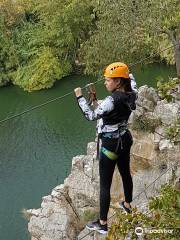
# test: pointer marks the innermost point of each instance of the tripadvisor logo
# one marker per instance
(139, 231)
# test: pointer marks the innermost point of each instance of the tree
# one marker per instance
(163, 22)
(45, 37)
(131, 30)
(8, 58)
(50, 35)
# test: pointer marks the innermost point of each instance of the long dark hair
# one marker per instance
(125, 83)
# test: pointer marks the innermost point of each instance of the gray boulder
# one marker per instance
(167, 112)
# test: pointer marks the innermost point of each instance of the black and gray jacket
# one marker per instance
(111, 112)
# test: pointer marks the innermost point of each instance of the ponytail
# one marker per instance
(125, 83)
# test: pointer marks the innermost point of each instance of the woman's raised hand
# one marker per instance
(78, 92)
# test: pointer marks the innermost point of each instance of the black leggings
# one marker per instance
(106, 170)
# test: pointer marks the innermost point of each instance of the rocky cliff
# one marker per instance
(154, 161)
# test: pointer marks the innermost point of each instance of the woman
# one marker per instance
(113, 112)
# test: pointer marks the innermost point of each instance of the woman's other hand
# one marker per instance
(78, 92)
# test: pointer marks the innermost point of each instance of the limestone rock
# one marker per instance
(82, 191)
(142, 150)
(149, 93)
(56, 219)
(165, 144)
(33, 212)
(147, 98)
(167, 112)
(145, 103)
(90, 235)
(90, 148)
(159, 134)
(139, 112)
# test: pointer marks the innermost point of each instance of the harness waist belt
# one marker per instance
(116, 134)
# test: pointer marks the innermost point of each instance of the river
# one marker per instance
(36, 149)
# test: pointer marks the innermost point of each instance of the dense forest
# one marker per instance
(42, 41)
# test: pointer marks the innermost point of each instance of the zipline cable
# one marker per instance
(33, 108)
(39, 106)
(67, 94)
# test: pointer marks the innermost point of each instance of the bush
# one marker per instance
(164, 214)
(41, 72)
(89, 215)
(47, 40)
(173, 132)
(146, 123)
(165, 89)
(8, 61)
(44, 37)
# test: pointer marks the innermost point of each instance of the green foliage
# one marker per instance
(167, 55)
(164, 214)
(145, 123)
(162, 23)
(129, 31)
(118, 35)
(166, 89)
(48, 41)
(173, 132)
(125, 224)
(46, 36)
(89, 215)
(11, 12)
(41, 72)
(94, 32)
(166, 204)
(8, 61)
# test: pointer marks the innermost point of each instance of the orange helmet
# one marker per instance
(117, 69)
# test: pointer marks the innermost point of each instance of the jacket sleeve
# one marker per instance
(106, 106)
(133, 83)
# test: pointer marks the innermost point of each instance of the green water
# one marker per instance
(36, 149)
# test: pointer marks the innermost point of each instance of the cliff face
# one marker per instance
(64, 212)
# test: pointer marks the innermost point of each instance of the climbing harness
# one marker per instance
(109, 154)
(122, 128)
(112, 135)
